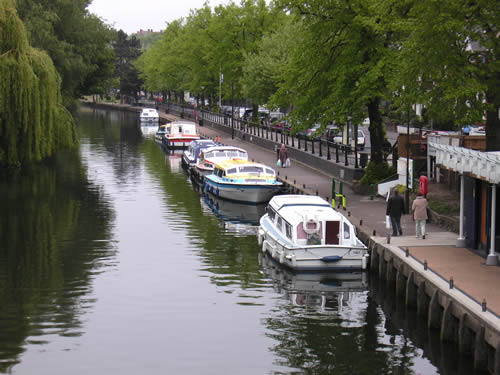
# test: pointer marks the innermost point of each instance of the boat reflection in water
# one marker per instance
(174, 160)
(236, 217)
(323, 291)
(148, 129)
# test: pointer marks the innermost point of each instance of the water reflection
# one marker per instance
(55, 237)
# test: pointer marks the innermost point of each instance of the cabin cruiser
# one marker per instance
(179, 134)
(149, 115)
(210, 156)
(191, 156)
(242, 181)
(160, 133)
(305, 233)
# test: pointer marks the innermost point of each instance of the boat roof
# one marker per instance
(199, 142)
(182, 123)
(144, 110)
(231, 163)
(295, 208)
(223, 148)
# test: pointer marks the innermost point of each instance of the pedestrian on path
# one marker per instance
(419, 209)
(283, 155)
(395, 208)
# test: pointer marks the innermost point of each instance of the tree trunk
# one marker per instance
(377, 133)
(492, 116)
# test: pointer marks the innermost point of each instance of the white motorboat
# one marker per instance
(179, 134)
(192, 154)
(149, 115)
(242, 181)
(213, 155)
(304, 233)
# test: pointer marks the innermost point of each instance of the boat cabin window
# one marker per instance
(232, 154)
(220, 154)
(347, 232)
(279, 223)
(209, 155)
(231, 171)
(250, 169)
(288, 230)
(270, 171)
(271, 212)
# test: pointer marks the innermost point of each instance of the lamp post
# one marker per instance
(407, 192)
(232, 110)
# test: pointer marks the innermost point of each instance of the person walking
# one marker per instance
(283, 155)
(419, 208)
(395, 208)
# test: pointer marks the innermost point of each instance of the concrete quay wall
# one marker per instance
(459, 319)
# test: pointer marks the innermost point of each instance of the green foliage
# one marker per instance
(443, 207)
(376, 172)
(33, 122)
(127, 51)
(78, 43)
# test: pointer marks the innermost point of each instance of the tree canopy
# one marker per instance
(33, 122)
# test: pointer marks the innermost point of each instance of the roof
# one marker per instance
(296, 208)
(228, 163)
(221, 148)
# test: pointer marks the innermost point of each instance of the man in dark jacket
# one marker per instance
(395, 208)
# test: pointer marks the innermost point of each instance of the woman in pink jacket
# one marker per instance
(419, 209)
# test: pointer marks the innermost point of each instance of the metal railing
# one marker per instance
(323, 148)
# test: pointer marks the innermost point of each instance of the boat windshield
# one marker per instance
(251, 169)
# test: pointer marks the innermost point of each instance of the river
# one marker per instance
(112, 263)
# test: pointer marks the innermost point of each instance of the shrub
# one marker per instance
(376, 172)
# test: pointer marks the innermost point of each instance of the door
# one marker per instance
(332, 232)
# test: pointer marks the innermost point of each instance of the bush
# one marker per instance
(375, 173)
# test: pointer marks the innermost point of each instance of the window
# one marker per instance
(270, 171)
(220, 173)
(288, 230)
(279, 223)
(347, 231)
(231, 171)
(271, 213)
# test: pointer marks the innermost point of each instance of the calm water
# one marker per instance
(112, 263)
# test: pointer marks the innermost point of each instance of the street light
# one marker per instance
(407, 192)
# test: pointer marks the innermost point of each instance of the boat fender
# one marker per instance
(364, 262)
(282, 257)
(217, 192)
(314, 220)
(331, 258)
(260, 237)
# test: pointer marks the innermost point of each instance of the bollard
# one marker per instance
(451, 282)
(425, 265)
(372, 190)
(348, 213)
(389, 238)
(316, 193)
(483, 305)
(374, 233)
(361, 222)
(333, 186)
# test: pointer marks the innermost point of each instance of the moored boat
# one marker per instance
(149, 115)
(192, 154)
(180, 134)
(160, 133)
(210, 156)
(305, 233)
(242, 181)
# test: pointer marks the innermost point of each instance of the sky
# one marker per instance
(134, 15)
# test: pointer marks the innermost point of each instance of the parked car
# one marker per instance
(332, 132)
(312, 133)
(335, 135)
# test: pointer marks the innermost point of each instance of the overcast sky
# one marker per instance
(133, 15)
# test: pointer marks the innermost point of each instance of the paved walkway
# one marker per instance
(468, 270)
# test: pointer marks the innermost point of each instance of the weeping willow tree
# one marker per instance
(33, 122)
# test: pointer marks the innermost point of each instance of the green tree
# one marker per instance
(449, 59)
(127, 50)
(79, 43)
(33, 122)
(338, 68)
